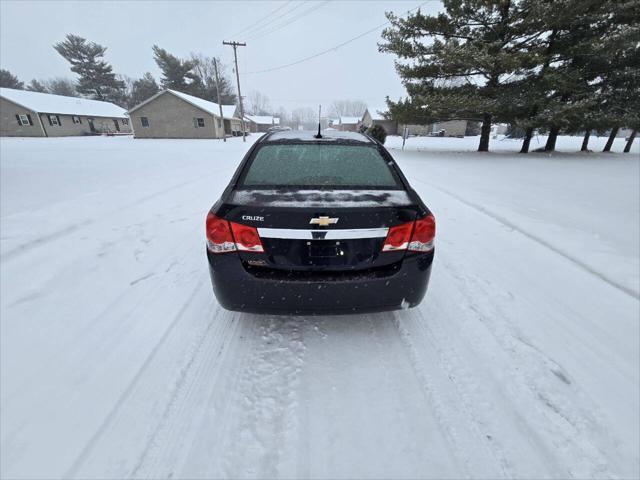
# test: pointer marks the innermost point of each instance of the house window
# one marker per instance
(24, 120)
(144, 121)
(125, 121)
(76, 119)
(198, 122)
(54, 120)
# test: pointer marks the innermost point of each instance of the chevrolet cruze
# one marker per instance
(319, 224)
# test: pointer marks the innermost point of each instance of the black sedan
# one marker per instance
(314, 224)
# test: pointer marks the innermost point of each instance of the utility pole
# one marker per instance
(235, 46)
(215, 68)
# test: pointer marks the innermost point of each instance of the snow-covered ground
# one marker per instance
(116, 360)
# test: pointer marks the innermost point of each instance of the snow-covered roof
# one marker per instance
(48, 103)
(262, 119)
(349, 120)
(228, 111)
(376, 115)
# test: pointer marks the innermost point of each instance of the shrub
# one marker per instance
(378, 132)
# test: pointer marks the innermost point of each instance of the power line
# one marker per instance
(250, 27)
(332, 49)
(289, 21)
(261, 28)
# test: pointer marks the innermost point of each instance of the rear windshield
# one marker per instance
(319, 166)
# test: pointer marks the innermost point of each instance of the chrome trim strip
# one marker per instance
(301, 234)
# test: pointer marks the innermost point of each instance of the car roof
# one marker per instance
(297, 136)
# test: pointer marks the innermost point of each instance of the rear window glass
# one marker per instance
(313, 165)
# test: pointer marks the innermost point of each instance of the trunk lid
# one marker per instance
(333, 230)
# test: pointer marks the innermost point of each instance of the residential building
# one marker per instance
(345, 124)
(260, 123)
(34, 114)
(449, 128)
(173, 114)
(374, 117)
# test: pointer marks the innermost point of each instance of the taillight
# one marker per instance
(398, 237)
(415, 236)
(423, 234)
(247, 238)
(219, 238)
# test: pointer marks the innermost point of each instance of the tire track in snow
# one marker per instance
(556, 424)
(71, 472)
(376, 331)
(267, 401)
(30, 245)
(446, 411)
(500, 219)
(80, 334)
(189, 377)
(205, 443)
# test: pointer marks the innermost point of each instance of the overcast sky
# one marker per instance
(285, 32)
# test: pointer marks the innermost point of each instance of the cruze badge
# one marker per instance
(323, 221)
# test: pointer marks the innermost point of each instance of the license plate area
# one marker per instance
(325, 249)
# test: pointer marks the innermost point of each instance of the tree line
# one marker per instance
(96, 79)
(194, 75)
(552, 66)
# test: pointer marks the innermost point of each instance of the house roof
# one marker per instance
(48, 103)
(376, 115)
(262, 119)
(349, 120)
(228, 111)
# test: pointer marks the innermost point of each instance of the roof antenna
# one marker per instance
(319, 135)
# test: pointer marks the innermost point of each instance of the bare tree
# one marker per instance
(258, 103)
(347, 108)
(304, 117)
(283, 115)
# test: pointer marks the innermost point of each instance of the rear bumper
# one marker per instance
(254, 290)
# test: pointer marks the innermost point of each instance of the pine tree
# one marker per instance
(378, 132)
(204, 85)
(526, 97)
(177, 74)
(96, 75)
(572, 96)
(62, 86)
(618, 70)
(143, 88)
(9, 80)
(576, 86)
(36, 86)
(457, 64)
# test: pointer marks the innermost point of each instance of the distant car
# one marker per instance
(319, 226)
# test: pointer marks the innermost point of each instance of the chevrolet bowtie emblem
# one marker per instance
(323, 221)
